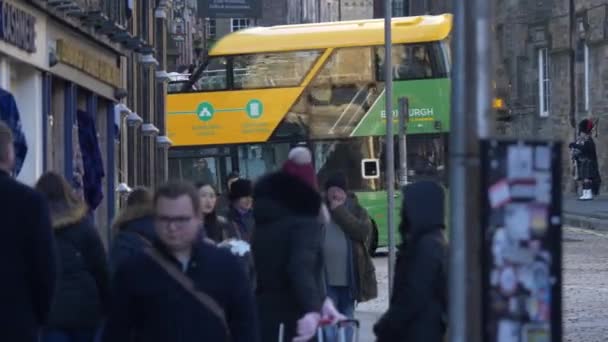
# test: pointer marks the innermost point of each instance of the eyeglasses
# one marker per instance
(179, 221)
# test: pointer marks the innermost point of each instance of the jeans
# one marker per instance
(345, 303)
(68, 336)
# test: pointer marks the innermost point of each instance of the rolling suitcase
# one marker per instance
(341, 325)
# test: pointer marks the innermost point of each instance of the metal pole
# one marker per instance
(484, 72)
(390, 147)
(471, 98)
(404, 110)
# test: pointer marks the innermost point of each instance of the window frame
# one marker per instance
(319, 52)
(211, 27)
(437, 54)
(230, 73)
(239, 26)
(544, 82)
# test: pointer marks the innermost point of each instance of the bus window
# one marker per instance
(214, 75)
(270, 70)
(196, 170)
(413, 62)
(345, 156)
(256, 160)
(338, 97)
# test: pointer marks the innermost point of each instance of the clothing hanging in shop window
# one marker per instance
(10, 115)
(129, 4)
(91, 159)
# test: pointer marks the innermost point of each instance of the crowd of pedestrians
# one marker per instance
(270, 260)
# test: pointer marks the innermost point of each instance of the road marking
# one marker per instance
(587, 231)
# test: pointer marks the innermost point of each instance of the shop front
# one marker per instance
(23, 61)
(81, 87)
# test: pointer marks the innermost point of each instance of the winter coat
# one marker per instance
(418, 305)
(151, 306)
(91, 159)
(27, 261)
(354, 221)
(243, 223)
(288, 254)
(218, 228)
(132, 223)
(9, 113)
(82, 293)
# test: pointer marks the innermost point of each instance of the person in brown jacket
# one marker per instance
(350, 273)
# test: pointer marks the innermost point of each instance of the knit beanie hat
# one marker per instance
(240, 188)
(337, 180)
(299, 165)
(585, 126)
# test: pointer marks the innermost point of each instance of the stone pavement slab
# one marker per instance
(586, 214)
(367, 320)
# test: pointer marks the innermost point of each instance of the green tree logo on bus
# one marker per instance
(205, 111)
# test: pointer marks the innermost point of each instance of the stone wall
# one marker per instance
(524, 26)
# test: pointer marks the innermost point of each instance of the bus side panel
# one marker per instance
(227, 117)
(376, 205)
(429, 111)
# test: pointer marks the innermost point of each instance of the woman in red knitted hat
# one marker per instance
(584, 154)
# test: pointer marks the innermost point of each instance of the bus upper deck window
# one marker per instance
(272, 69)
(409, 62)
(214, 75)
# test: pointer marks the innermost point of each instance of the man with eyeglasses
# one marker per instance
(180, 288)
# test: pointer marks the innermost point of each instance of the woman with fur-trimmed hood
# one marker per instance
(289, 218)
(81, 296)
(133, 224)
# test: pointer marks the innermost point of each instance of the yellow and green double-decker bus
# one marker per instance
(265, 89)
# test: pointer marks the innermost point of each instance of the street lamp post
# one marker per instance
(390, 147)
(471, 107)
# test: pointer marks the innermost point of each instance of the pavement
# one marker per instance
(586, 214)
(585, 285)
(585, 275)
(368, 313)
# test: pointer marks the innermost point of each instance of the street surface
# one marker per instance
(585, 266)
(585, 286)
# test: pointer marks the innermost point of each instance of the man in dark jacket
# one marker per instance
(418, 304)
(348, 267)
(152, 305)
(223, 201)
(240, 213)
(26, 250)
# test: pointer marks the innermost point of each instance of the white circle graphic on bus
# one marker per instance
(205, 111)
(254, 109)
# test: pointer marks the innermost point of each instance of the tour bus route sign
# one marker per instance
(206, 111)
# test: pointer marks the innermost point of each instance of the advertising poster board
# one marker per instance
(522, 233)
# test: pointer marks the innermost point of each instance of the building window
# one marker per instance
(211, 28)
(544, 82)
(587, 76)
(239, 24)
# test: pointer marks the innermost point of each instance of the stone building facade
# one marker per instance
(539, 43)
(536, 44)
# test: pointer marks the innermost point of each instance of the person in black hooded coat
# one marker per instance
(418, 305)
(136, 221)
(81, 298)
(287, 253)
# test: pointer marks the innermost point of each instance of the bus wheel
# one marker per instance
(373, 243)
